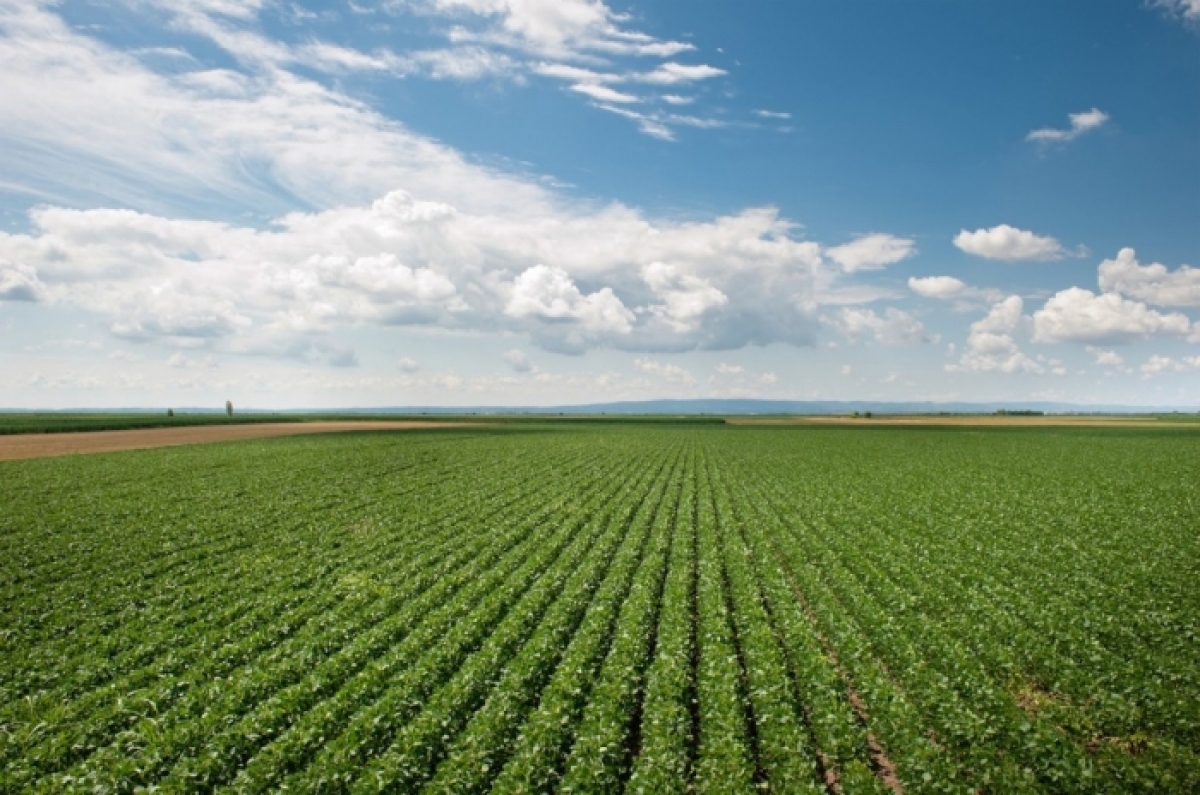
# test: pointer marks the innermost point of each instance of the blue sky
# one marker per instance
(465, 202)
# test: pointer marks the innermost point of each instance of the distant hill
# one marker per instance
(702, 406)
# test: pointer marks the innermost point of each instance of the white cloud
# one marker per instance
(991, 346)
(1154, 283)
(670, 73)
(603, 93)
(772, 114)
(1079, 315)
(1105, 358)
(574, 74)
(732, 281)
(567, 29)
(1080, 123)
(408, 365)
(446, 251)
(179, 361)
(962, 296)
(550, 294)
(19, 282)
(1188, 10)
(1157, 364)
(456, 63)
(872, 252)
(675, 99)
(730, 369)
(668, 372)
(1005, 242)
(490, 38)
(893, 327)
(685, 298)
(518, 361)
(937, 286)
(219, 140)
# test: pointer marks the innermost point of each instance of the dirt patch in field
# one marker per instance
(44, 445)
(1032, 698)
(977, 422)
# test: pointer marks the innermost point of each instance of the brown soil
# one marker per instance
(984, 421)
(43, 445)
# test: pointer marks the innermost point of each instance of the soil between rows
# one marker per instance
(44, 445)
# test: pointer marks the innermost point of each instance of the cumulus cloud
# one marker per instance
(872, 252)
(962, 296)
(893, 327)
(991, 344)
(1104, 357)
(937, 286)
(408, 365)
(1079, 315)
(19, 282)
(667, 372)
(1157, 364)
(1154, 283)
(518, 361)
(1080, 123)
(550, 294)
(685, 298)
(1005, 242)
(732, 281)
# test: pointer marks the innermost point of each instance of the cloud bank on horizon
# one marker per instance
(217, 210)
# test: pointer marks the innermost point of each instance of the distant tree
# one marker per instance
(867, 414)
(170, 412)
(229, 407)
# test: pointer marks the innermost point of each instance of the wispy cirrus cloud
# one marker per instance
(603, 93)
(1080, 123)
(872, 252)
(583, 42)
(1186, 10)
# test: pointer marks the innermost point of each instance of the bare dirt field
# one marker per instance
(43, 445)
(989, 421)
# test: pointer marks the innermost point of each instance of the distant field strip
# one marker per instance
(626, 608)
(981, 421)
(36, 445)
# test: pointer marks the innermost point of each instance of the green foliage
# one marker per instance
(607, 606)
(67, 422)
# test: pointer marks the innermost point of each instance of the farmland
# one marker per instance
(617, 607)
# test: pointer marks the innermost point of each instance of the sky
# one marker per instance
(545, 202)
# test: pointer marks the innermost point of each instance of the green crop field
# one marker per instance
(607, 608)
